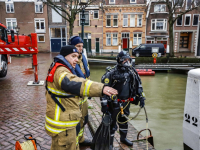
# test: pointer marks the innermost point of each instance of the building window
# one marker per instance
(159, 8)
(125, 35)
(115, 41)
(39, 25)
(9, 7)
(11, 23)
(38, 8)
(179, 20)
(132, 1)
(139, 20)
(188, 4)
(108, 23)
(137, 38)
(178, 3)
(108, 39)
(132, 21)
(96, 14)
(195, 20)
(41, 38)
(87, 18)
(158, 24)
(125, 21)
(187, 20)
(111, 1)
(115, 21)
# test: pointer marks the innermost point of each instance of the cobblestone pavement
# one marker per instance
(22, 107)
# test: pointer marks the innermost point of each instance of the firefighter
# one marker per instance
(63, 93)
(124, 78)
(82, 70)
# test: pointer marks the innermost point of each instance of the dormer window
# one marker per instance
(160, 8)
(111, 1)
(132, 1)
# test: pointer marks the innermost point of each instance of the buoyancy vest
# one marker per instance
(50, 77)
(78, 69)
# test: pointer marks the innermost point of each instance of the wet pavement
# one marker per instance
(22, 107)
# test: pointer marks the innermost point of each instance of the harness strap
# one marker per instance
(57, 102)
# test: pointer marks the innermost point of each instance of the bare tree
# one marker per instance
(68, 9)
(177, 8)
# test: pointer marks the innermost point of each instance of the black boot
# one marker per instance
(123, 138)
(111, 142)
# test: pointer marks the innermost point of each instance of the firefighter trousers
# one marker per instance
(65, 140)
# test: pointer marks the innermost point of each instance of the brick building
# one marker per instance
(124, 24)
(157, 30)
(30, 16)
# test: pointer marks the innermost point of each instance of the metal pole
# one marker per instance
(82, 24)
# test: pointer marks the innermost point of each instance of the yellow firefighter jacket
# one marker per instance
(66, 83)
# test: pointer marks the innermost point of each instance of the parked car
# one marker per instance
(149, 49)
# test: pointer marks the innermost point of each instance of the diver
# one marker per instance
(125, 79)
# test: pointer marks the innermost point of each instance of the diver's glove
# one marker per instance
(104, 109)
(142, 103)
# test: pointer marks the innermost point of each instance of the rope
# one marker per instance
(146, 127)
(28, 145)
(126, 116)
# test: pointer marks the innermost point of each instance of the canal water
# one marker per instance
(165, 97)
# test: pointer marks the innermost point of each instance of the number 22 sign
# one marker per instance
(193, 120)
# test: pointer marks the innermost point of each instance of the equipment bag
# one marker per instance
(29, 144)
(149, 138)
(101, 139)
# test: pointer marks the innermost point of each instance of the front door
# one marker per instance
(97, 45)
(125, 44)
(184, 42)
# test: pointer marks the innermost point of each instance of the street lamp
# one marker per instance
(83, 3)
(17, 30)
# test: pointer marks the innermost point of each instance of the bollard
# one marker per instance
(191, 118)
(154, 60)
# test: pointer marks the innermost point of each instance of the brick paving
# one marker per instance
(22, 107)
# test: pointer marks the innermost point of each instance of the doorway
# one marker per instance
(57, 38)
(97, 45)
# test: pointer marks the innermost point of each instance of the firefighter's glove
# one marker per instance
(104, 109)
(142, 103)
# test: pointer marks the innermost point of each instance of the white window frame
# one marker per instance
(109, 34)
(111, 2)
(39, 30)
(11, 20)
(38, 4)
(97, 12)
(138, 21)
(186, 4)
(186, 15)
(38, 38)
(133, 20)
(160, 6)
(113, 39)
(157, 21)
(181, 21)
(107, 19)
(124, 20)
(80, 18)
(193, 19)
(137, 43)
(114, 19)
(132, 1)
(10, 3)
